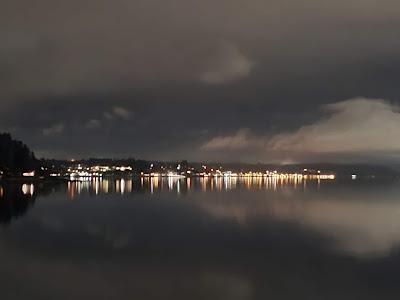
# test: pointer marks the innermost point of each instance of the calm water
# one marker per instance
(200, 239)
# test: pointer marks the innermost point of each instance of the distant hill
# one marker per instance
(15, 156)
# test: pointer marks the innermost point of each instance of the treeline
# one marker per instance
(15, 156)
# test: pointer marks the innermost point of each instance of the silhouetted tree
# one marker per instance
(15, 156)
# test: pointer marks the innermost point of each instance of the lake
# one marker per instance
(200, 238)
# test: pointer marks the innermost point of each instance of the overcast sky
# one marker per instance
(231, 80)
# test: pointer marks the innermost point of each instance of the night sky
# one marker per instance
(228, 80)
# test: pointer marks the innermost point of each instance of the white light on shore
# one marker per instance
(29, 174)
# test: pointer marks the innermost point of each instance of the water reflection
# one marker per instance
(17, 198)
(360, 220)
(204, 238)
(123, 186)
(28, 189)
(15, 201)
(363, 227)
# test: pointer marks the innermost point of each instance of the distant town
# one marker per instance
(18, 161)
(89, 169)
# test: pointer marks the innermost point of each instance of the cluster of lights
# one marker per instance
(274, 174)
(168, 174)
(123, 169)
(83, 173)
(219, 173)
(86, 173)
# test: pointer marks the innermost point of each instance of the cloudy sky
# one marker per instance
(232, 80)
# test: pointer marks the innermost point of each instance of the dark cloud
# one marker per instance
(162, 79)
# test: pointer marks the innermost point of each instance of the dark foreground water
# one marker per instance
(200, 239)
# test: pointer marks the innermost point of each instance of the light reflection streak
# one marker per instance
(185, 185)
(170, 183)
(118, 186)
(97, 186)
(123, 185)
(155, 182)
(28, 189)
(128, 185)
(105, 186)
(178, 186)
(71, 190)
(364, 228)
(203, 183)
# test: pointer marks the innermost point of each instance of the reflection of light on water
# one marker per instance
(170, 183)
(71, 189)
(248, 182)
(363, 227)
(1, 191)
(118, 186)
(156, 181)
(128, 185)
(203, 183)
(122, 186)
(97, 186)
(216, 185)
(76, 188)
(178, 186)
(105, 186)
(28, 189)
(79, 187)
